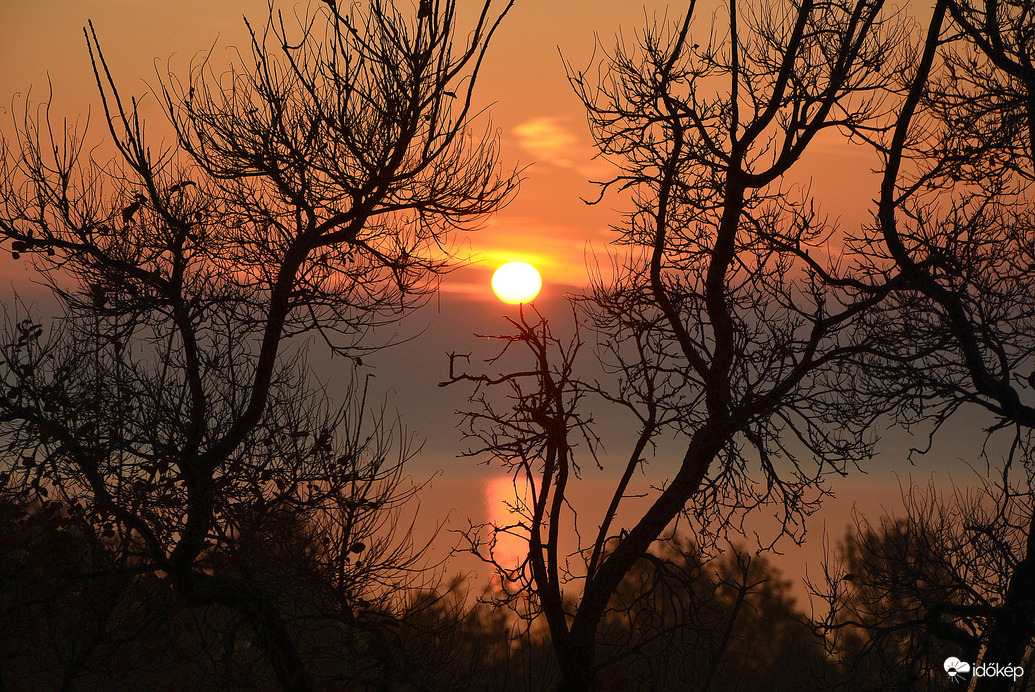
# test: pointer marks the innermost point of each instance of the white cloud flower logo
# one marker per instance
(953, 666)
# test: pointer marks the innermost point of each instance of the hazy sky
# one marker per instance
(542, 128)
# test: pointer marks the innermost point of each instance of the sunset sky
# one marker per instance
(543, 131)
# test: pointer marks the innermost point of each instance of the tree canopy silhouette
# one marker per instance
(954, 218)
(720, 327)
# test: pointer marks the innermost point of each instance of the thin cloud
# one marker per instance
(547, 140)
(551, 140)
(554, 248)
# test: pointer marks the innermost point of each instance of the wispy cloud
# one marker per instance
(557, 248)
(548, 140)
(551, 140)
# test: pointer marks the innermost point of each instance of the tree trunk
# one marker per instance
(262, 618)
(575, 654)
(1012, 628)
(575, 657)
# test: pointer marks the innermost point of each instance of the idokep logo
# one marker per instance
(956, 668)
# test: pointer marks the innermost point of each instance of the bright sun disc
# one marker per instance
(516, 282)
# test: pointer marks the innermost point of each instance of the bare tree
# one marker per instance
(902, 595)
(954, 218)
(718, 322)
(994, 77)
(727, 623)
(311, 192)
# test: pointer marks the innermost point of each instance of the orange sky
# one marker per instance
(540, 121)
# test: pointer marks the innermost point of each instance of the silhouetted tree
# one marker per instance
(679, 621)
(954, 218)
(903, 595)
(991, 80)
(717, 322)
(310, 192)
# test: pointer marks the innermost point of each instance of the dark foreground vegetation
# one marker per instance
(70, 621)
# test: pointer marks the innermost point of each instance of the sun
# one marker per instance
(516, 282)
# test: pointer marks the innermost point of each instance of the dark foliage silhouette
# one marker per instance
(903, 595)
(728, 623)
